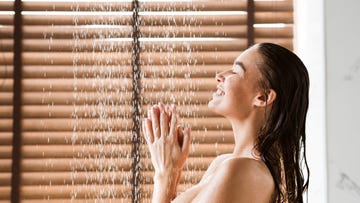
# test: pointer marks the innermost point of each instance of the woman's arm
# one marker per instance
(165, 186)
(169, 148)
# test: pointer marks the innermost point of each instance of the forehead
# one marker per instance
(248, 58)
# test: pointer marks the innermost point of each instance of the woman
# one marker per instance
(265, 98)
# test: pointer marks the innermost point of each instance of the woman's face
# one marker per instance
(237, 87)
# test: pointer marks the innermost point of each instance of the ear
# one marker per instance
(263, 99)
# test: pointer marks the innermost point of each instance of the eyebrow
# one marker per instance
(240, 64)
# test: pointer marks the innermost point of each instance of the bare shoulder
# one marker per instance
(247, 165)
(239, 180)
(214, 165)
(247, 170)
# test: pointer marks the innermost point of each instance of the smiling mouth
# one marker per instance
(219, 92)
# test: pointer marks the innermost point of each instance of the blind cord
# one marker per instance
(17, 75)
(136, 103)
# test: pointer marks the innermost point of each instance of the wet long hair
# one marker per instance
(281, 141)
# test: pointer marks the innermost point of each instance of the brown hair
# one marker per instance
(281, 140)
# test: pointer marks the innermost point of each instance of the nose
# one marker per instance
(220, 77)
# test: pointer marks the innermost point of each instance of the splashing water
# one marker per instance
(173, 70)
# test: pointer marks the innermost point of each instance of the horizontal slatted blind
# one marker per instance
(76, 101)
(274, 22)
(6, 102)
(77, 88)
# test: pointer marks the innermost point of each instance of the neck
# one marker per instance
(245, 135)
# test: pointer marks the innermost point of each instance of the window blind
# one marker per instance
(6, 100)
(78, 89)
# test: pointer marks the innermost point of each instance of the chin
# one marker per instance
(214, 107)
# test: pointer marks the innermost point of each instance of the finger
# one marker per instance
(145, 132)
(149, 135)
(173, 132)
(186, 143)
(149, 113)
(155, 114)
(168, 111)
(164, 121)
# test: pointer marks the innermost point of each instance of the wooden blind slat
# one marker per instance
(112, 58)
(198, 31)
(5, 138)
(119, 84)
(5, 193)
(274, 6)
(61, 178)
(66, 137)
(64, 178)
(153, 58)
(61, 45)
(76, 6)
(67, 164)
(47, 45)
(151, 71)
(5, 165)
(115, 137)
(68, 124)
(90, 164)
(6, 5)
(68, 32)
(192, 19)
(56, 124)
(119, 18)
(96, 45)
(94, 111)
(105, 150)
(64, 58)
(5, 179)
(202, 5)
(281, 32)
(70, 151)
(192, 163)
(58, 71)
(56, 98)
(82, 191)
(274, 17)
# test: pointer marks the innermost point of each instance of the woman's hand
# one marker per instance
(168, 143)
(169, 147)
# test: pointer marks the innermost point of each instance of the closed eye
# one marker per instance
(236, 69)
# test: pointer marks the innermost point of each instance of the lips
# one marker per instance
(219, 92)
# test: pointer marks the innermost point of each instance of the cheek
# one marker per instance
(240, 96)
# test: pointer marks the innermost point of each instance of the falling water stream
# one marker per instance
(102, 98)
(106, 109)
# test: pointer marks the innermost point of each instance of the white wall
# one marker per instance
(309, 45)
(342, 27)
